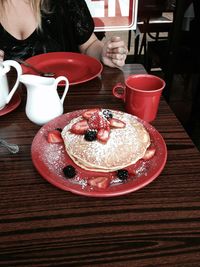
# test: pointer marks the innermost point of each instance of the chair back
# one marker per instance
(154, 8)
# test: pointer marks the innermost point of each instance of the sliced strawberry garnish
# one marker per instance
(98, 121)
(116, 123)
(103, 135)
(89, 112)
(80, 127)
(99, 182)
(54, 137)
(150, 152)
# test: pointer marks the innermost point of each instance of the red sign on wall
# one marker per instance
(113, 15)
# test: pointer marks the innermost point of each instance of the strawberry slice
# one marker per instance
(116, 123)
(100, 182)
(150, 152)
(80, 127)
(98, 121)
(88, 113)
(103, 135)
(54, 137)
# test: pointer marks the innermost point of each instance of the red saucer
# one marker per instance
(13, 104)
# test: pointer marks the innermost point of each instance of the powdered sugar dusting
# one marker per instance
(142, 169)
(79, 181)
(54, 155)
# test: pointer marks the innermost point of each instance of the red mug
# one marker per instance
(141, 94)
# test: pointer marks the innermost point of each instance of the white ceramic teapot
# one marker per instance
(43, 102)
(6, 94)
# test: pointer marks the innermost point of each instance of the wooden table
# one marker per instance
(41, 225)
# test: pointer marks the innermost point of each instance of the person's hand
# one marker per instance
(114, 52)
(1, 55)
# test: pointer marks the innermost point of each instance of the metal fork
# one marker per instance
(13, 148)
(41, 73)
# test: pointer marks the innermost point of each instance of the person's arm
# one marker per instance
(112, 53)
(1, 55)
(93, 47)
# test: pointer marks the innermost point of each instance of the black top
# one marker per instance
(68, 25)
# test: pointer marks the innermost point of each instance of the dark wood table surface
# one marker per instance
(41, 225)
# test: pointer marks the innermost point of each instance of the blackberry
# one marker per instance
(90, 135)
(59, 129)
(69, 171)
(122, 174)
(107, 114)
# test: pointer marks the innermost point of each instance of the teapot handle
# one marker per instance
(59, 79)
(6, 68)
(17, 66)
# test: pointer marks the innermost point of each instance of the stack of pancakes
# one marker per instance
(124, 147)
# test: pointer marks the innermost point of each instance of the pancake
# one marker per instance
(124, 147)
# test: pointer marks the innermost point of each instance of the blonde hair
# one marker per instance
(37, 6)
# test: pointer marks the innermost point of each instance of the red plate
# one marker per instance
(78, 68)
(50, 159)
(13, 104)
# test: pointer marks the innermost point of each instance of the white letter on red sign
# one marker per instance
(96, 8)
(124, 7)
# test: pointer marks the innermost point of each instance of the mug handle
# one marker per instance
(117, 94)
(17, 66)
(59, 79)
